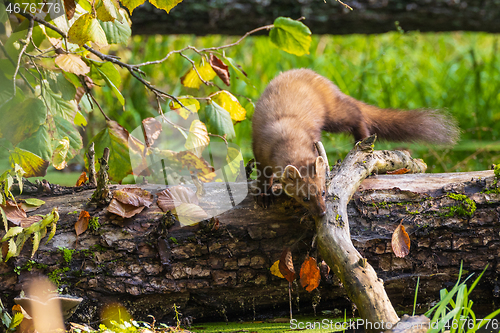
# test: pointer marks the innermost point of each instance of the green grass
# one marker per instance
(311, 324)
(455, 71)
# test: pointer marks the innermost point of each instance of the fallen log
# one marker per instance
(219, 269)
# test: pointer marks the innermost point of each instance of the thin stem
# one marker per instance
(2, 47)
(99, 106)
(18, 62)
(208, 49)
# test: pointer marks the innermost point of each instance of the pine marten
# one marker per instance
(298, 104)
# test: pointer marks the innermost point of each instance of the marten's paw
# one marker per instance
(264, 200)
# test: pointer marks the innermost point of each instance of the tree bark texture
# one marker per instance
(222, 271)
(232, 17)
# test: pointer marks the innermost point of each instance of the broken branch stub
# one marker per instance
(358, 277)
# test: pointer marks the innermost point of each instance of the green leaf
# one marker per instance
(66, 88)
(16, 320)
(36, 242)
(87, 29)
(19, 177)
(34, 202)
(14, 231)
(64, 128)
(118, 140)
(22, 120)
(110, 74)
(167, 5)
(116, 32)
(57, 106)
(219, 120)
(4, 219)
(3, 13)
(291, 36)
(39, 143)
(32, 164)
(12, 250)
(239, 72)
(132, 4)
(53, 228)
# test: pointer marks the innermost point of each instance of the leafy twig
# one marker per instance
(160, 111)
(196, 69)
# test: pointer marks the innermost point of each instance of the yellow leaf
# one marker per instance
(230, 103)
(191, 78)
(234, 159)
(132, 4)
(167, 5)
(197, 138)
(60, 154)
(32, 164)
(107, 11)
(87, 29)
(275, 269)
(72, 63)
(192, 105)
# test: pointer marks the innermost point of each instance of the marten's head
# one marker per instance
(307, 187)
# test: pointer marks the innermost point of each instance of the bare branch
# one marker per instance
(208, 49)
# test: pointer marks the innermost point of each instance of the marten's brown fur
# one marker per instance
(298, 104)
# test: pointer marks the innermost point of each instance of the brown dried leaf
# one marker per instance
(324, 269)
(123, 210)
(309, 274)
(286, 265)
(134, 196)
(220, 68)
(152, 130)
(175, 196)
(400, 242)
(14, 213)
(30, 220)
(70, 7)
(83, 222)
(82, 179)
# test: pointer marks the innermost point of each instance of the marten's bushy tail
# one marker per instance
(434, 126)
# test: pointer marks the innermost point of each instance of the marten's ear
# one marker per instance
(320, 166)
(290, 173)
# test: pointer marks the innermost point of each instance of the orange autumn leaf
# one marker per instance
(399, 171)
(286, 265)
(400, 242)
(309, 274)
(82, 179)
(83, 222)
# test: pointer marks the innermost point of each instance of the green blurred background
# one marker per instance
(458, 72)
